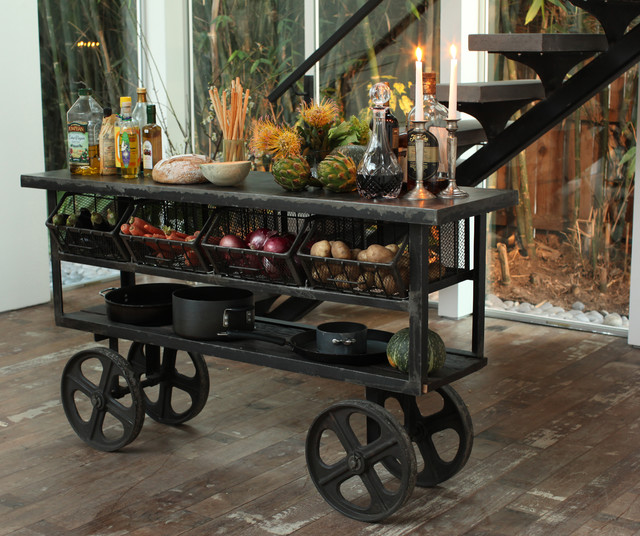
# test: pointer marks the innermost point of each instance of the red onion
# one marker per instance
(232, 241)
(256, 239)
(277, 244)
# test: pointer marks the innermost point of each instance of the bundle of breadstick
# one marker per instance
(231, 118)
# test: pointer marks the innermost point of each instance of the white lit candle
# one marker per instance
(453, 85)
(419, 105)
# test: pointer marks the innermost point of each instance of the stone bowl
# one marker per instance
(226, 173)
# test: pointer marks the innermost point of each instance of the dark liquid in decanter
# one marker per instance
(372, 187)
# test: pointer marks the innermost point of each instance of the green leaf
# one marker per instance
(535, 7)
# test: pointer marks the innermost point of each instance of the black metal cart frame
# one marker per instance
(389, 443)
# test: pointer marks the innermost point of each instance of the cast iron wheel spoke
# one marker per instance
(125, 419)
(333, 475)
(159, 366)
(340, 425)
(368, 498)
(454, 416)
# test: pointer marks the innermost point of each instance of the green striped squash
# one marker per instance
(398, 351)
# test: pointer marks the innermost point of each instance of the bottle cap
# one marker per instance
(84, 91)
(124, 101)
(141, 90)
(429, 83)
(107, 111)
(151, 114)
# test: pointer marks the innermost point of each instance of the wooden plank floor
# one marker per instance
(557, 443)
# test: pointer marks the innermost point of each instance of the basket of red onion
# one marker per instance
(256, 244)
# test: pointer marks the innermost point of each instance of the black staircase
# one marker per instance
(551, 56)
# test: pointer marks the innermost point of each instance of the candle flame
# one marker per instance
(453, 51)
(419, 53)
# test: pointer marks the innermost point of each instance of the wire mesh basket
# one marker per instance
(88, 225)
(348, 255)
(255, 264)
(168, 234)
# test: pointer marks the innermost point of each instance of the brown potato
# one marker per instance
(321, 248)
(389, 285)
(335, 268)
(340, 250)
(342, 282)
(354, 253)
(393, 248)
(320, 272)
(352, 271)
(379, 254)
(362, 256)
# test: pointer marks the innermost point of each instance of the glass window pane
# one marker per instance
(261, 43)
(569, 239)
(382, 47)
(83, 44)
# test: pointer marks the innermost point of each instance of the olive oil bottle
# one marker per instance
(151, 142)
(127, 138)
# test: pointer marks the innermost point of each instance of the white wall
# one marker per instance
(24, 264)
(634, 291)
(166, 68)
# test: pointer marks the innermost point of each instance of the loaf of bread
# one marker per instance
(180, 169)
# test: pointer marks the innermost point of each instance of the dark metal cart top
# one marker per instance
(260, 191)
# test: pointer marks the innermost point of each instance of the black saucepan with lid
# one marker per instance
(215, 312)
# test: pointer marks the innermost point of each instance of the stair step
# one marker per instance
(551, 56)
(493, 103)
(470, 133)
(614, 15)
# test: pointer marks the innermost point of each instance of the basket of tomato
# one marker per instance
(168, 234)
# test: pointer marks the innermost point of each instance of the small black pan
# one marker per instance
(305, 345)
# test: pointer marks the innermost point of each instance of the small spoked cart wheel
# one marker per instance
(347, 463)
(175, 383)
(102, 398)
(439, 464)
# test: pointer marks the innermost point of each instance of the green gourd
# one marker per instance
(398, 351)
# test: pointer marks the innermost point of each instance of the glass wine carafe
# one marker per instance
(379, 174)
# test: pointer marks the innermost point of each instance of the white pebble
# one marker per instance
(613, 319)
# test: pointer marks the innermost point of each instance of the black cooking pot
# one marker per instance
(213, 312)
(141, 305)
(341, 338)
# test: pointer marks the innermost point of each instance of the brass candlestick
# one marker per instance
(452, 190)
(419, 191)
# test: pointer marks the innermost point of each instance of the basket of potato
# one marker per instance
(357, 256)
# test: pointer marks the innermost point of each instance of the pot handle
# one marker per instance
(254, 335)
(238, 317)
(105, 290)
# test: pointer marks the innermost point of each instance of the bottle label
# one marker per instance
(78, 138)
(127, 147)
(147, 155)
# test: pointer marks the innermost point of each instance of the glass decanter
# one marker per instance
(379, 174)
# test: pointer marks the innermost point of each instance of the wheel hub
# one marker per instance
(97, 400)
(356, 463)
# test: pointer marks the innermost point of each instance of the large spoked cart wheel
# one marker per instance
(102, 398)
(347, 462)
(443, 439)
(175, 383)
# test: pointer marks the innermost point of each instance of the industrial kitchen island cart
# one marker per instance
(438, 243)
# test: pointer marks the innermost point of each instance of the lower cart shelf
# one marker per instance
(258, 352)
